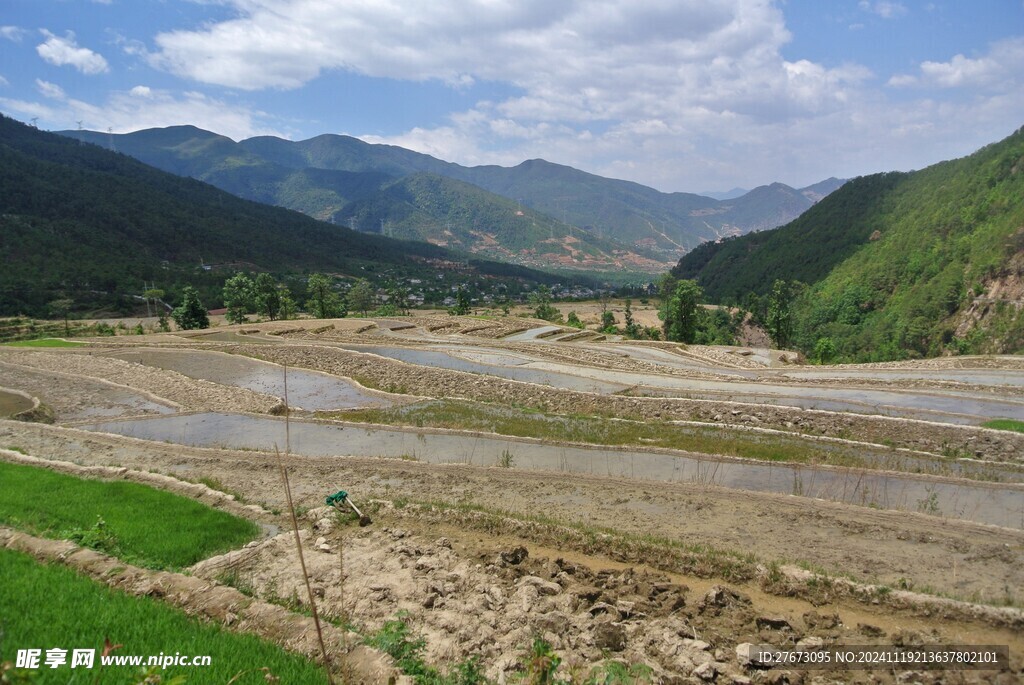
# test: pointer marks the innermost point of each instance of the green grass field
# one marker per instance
(1005, 425)
(44, 342)
(45, 607)
(141, 525)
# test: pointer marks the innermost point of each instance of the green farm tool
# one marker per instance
(340, 498)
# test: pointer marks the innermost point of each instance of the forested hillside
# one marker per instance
(82, 222)
(897, 265)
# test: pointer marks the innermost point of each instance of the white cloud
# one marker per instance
(66, 52)
(673, 93)
(678, 94)
(1001, 69)
(884, 8)
(143, 107)
(601, 60)
(12, 33)
(4, 82)
(50, 90)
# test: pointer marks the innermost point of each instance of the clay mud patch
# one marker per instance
(996, 504)
(79, 399)
(442, 360)
(12, 403)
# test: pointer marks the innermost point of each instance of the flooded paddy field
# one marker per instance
(306, 390)
(623, 538)
(1001, 505)
(75, 398)
(954, 406)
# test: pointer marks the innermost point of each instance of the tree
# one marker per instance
(824, 350)
(540, 300)
(238, 298)
(607, 321)
(266, 296)
(462, 303)
(323, 302)
(398, 295)
(361, 297)
(286, 308)
(61, 308)
(779, 320)
(190, 314)
(632, 330)
(574, 320)
(152, 295)
(682, 315)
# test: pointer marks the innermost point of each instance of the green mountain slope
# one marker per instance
(77, 220)
(805, 250)
(642, 220)
(899, 265)
(459, 215)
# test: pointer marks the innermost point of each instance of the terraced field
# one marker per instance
(650, 503)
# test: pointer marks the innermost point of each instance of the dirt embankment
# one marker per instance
(158, 384)
(472, 588)
(396, 376)
(894, 548)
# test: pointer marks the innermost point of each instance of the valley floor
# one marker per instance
(673, 503)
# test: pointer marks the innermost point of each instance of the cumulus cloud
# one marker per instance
(50, 90)
(143, 107)
(884, 8)
(580, 62)
(1000, 69)
(66, 52)
(12, 33)
(678, 94)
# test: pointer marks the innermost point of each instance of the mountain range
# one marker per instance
(536, 213)
(80, 221)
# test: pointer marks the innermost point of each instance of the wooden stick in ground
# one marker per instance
(302, 563)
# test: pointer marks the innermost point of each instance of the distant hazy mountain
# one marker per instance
(726, 195)
(345, 180)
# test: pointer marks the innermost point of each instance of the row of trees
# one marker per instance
(684, 319)
(266, 297)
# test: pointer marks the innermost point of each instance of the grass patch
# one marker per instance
(522, 421)
(599, 430)
(137, 523)
(44, 342)
(1005, 425)
(43, 607)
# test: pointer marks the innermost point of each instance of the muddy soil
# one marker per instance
(488, 596)
(75, 398)
(486, 592)
(675, 575)
(956, 558)
(78, 383)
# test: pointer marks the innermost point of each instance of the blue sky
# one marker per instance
(684, 95)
